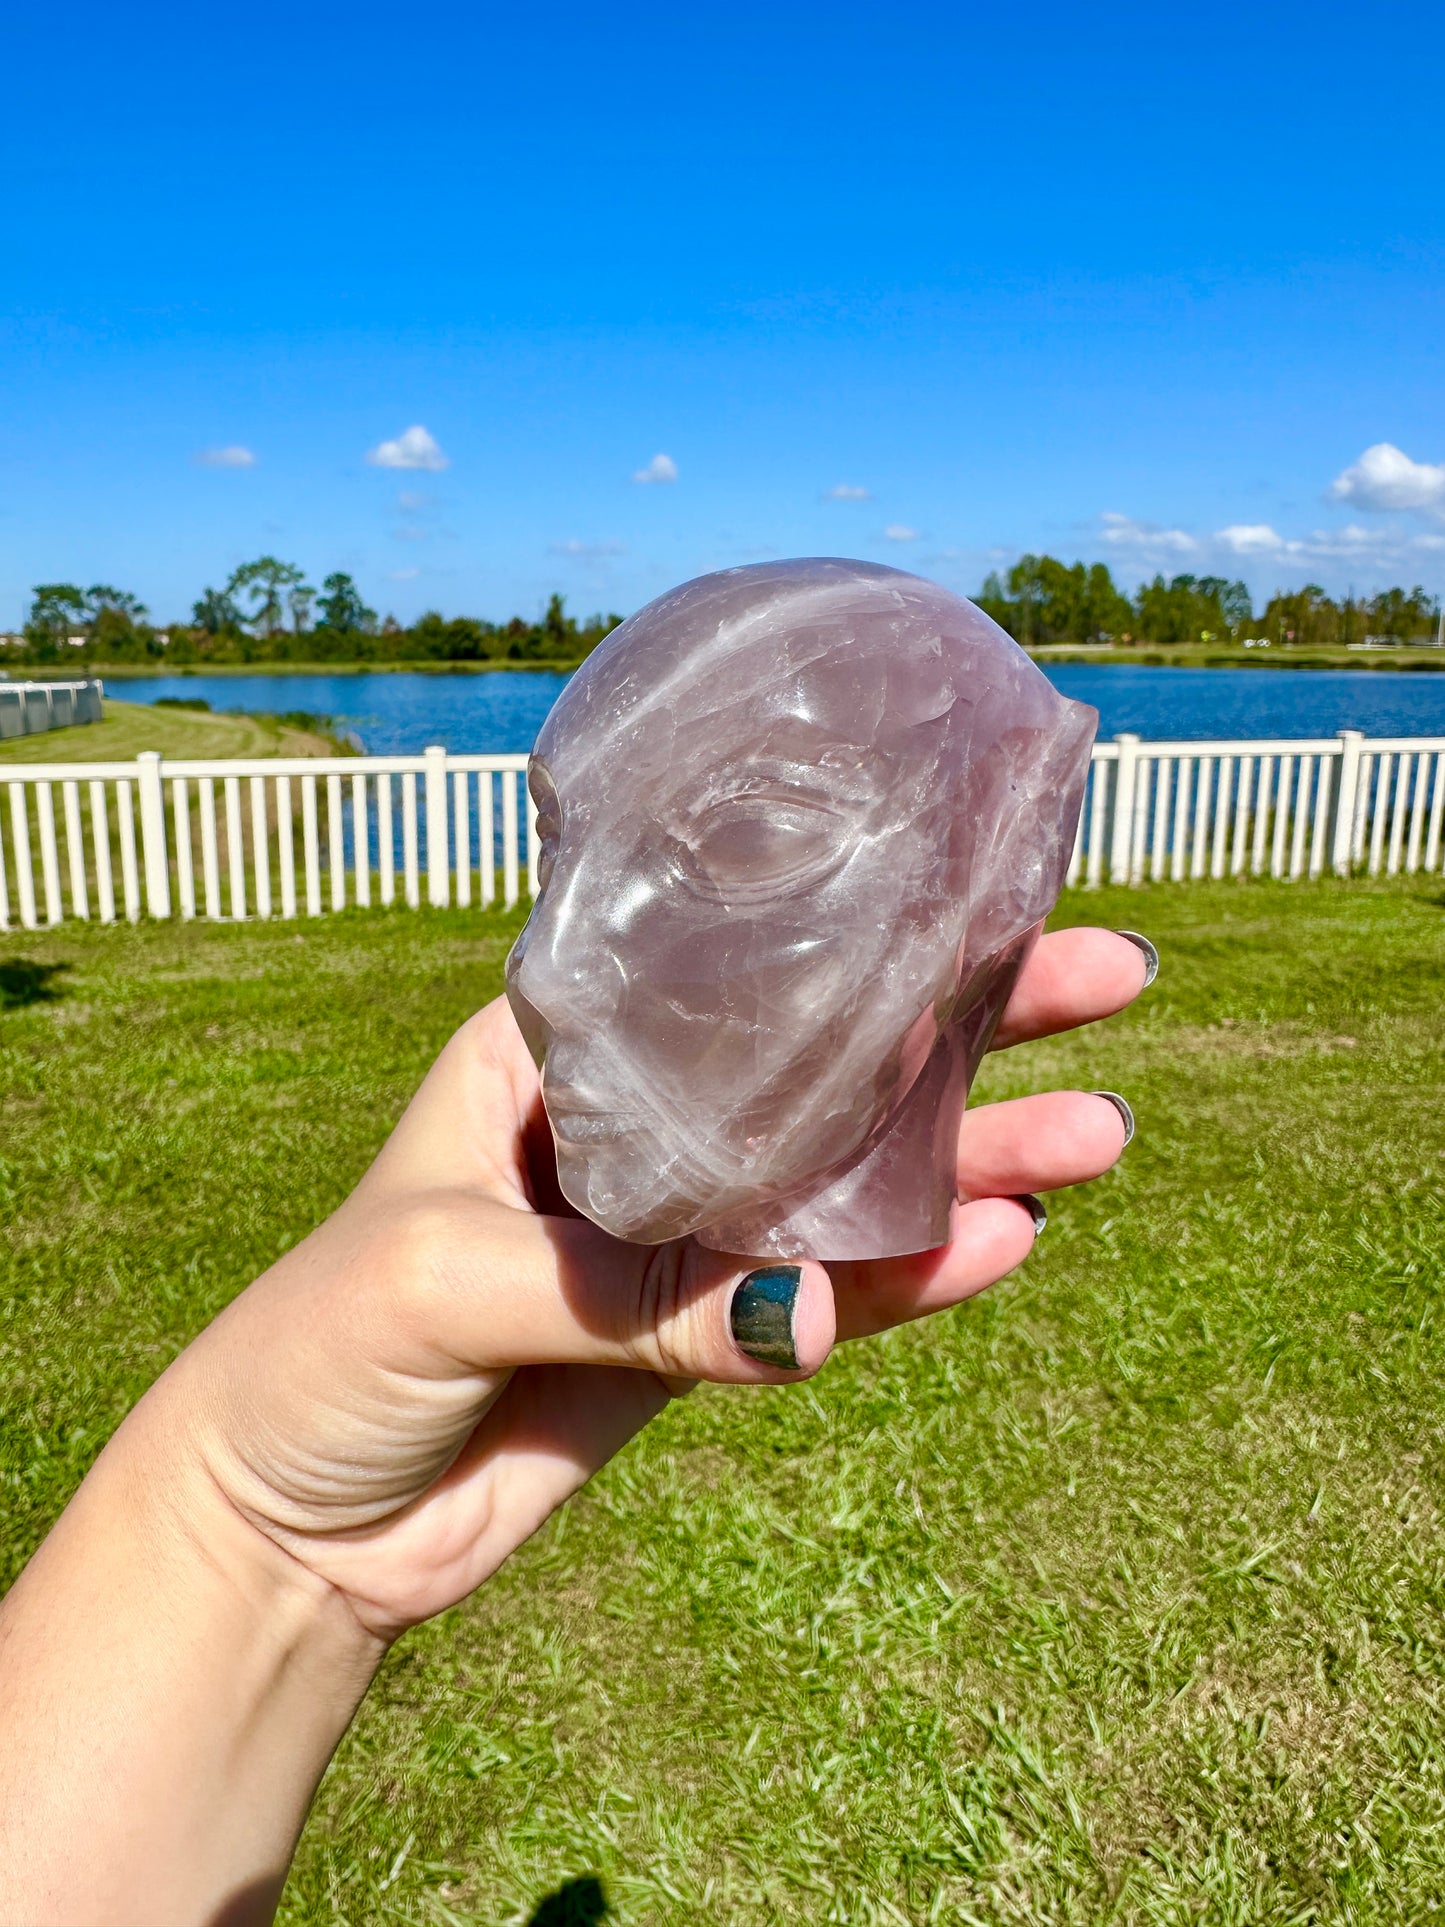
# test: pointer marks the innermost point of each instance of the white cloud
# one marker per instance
(411, 535)
(900, 532)
(232, 456)
(586, 551)
(1385, 478)
(1379, 548)
(662, 468)
(1251, 538)
(846, 492)
(413, 448)
(404, 575)
(411, 500)
(1146, 537)
(1352, 553)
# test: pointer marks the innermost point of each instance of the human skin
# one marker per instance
(365, 1434)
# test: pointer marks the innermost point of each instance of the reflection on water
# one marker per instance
(502, 711)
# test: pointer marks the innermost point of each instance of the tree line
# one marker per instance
(1042, 600)
(268, 612)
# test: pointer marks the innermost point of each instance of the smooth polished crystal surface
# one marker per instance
(800, 823)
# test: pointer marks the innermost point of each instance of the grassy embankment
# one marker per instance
(125, 729)
(1115, 1596)
(1221, 656)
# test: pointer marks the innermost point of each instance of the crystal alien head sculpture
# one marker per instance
(800, 823)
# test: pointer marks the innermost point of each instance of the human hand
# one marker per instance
(407, 1395)
(368, 1430)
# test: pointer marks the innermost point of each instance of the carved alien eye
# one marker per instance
(757, 845)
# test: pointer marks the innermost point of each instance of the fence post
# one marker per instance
(1124, 779)
(153, 833)
(1351, 744)
(438, 868)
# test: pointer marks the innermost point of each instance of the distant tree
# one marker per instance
(557, 627)
(341, 607)
(1044, 600)
(264, 583)
(463, 639)
(114, 636)
(56, 610)
(216, 612)
(100, 596)
(1305, 618)
(553, 639)
(1232, 600)
(1403, 616)
(1191, 608)
(299, 601)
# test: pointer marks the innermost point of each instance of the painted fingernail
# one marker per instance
(1035, 1208)
(762, 1315)
(1151, 955)
(1122, 1106)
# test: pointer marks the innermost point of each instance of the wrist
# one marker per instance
(159, 1476)
(188, 1680)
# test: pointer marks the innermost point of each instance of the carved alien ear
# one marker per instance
(1018, 835)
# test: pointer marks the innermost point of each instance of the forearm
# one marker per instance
(171, 1689)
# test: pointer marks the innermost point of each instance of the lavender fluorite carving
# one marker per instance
(800, 824)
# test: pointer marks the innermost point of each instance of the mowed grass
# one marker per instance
(125, 729)
(1115, 1596)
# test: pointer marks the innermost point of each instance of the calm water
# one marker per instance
(503, 710)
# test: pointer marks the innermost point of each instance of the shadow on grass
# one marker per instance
(23, 982)
(581, 1903)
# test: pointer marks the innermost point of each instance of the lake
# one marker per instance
(396, 714)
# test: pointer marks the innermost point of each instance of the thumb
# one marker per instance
(509, 1288)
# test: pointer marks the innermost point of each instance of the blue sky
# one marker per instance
(931, 285)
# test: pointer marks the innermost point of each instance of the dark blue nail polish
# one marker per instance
(762, 1315)
(1122, 1106)
(1151, 955)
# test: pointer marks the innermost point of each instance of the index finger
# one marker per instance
(1073, 977)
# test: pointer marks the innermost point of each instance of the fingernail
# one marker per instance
(762, 1315)
(1122, 1106)
(1035, 1208)
(1151, 955)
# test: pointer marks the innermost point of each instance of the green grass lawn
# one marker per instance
(1114, 1597)
(125, 729)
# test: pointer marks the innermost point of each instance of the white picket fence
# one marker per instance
(290, 836)
(30, 708)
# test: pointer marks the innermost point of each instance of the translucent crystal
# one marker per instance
(800, 823)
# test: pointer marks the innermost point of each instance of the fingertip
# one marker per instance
(998, 1233)
(782, 1317)
(1076, 976)
(1146, 951)
(815, 1325)
(1037, 1210)
(1123, 1111)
